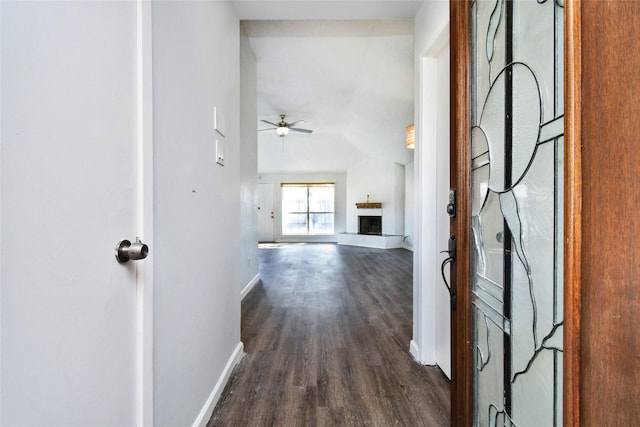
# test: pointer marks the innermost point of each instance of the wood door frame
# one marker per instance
(461, 354)
(461, 325)
(572, 213)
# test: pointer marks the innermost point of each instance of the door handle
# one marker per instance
(451, 252)
(125, 251)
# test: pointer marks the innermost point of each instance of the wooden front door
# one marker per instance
(601, 199)
(509, 127)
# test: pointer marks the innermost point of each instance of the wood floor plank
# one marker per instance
(326, 334)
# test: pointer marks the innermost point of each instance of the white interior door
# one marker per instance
(68, 196)
(266, 213)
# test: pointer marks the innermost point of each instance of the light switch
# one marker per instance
(219, 121)
(220, 152)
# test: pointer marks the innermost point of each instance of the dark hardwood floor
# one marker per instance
(326, 335)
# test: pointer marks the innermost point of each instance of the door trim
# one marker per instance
(427, 259)
(572, 213)
(144, 220)
(461, 363)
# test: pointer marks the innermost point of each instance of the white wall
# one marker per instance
(197, 205)
(340, 202)
(409, 206)
(431, 314)
(383, 181)
(429, 22)
(248, 164)
(398, 200)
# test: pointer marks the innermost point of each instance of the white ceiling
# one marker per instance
(351, 81)
(326, 9)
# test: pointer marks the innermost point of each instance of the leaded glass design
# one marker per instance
(516, 183)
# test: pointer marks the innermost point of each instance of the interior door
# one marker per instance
(68, 196)
(266, 216)
(516, 182)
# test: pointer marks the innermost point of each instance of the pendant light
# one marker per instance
(410, 141)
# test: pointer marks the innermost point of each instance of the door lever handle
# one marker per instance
(451, 251)
(125, 251)
(452, 294)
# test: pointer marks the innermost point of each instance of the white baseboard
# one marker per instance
(414, 349)
(207, 410)
(415, 352)
(250, 285)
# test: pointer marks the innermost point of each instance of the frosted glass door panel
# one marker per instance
(516, 198)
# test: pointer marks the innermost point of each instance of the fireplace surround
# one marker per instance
(369, 229)
(371, 225)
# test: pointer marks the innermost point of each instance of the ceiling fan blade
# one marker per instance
(295, 123)
(260, 130)
(269, 123)
(301, 130)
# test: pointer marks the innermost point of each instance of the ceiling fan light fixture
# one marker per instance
(282, 128)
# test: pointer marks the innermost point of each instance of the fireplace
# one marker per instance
(370, 225)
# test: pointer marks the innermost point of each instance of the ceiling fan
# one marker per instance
(282, 128)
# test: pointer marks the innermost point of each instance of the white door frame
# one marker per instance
(426, 269)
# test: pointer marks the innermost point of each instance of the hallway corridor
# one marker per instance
(326, 335)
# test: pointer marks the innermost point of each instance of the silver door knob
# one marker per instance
(125, 251)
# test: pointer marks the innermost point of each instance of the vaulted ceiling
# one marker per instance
(346, 71)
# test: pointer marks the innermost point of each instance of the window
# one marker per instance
(308, 208)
